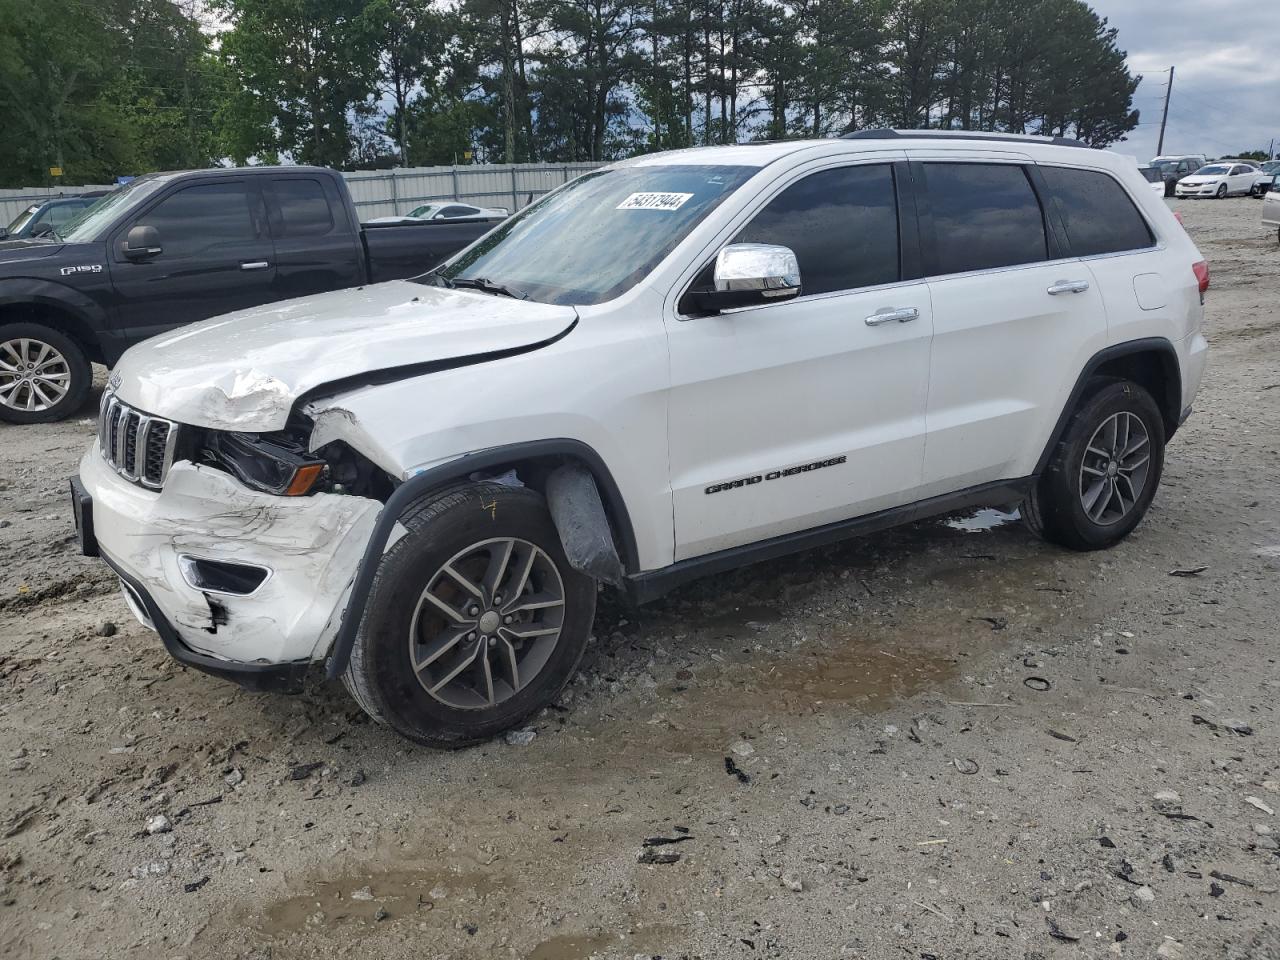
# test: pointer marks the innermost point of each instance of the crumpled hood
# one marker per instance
(243, 371)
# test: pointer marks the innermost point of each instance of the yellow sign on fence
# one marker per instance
(55, 171)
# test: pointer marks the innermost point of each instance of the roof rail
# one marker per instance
(885, 133)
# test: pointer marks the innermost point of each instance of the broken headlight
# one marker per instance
(278, 464)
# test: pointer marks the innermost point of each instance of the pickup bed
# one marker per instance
(173, 248)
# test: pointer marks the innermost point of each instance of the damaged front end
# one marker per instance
(241, 555)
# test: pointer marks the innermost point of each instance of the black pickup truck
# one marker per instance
(173, 248)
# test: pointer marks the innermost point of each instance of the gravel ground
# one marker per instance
(936, 742)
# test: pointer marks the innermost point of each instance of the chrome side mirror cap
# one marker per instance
(751, 274)
(770, 270)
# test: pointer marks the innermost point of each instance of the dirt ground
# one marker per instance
(934, 743)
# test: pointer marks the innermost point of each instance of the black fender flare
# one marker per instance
(90, 320)
(436, 477)
(1171, 404)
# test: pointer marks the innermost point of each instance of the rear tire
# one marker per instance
(44, 374)
(442, 655)
(1104, 471)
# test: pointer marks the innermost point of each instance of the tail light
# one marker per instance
(1177, 215)
(1201, 270)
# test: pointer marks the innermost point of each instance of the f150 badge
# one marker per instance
(775, 475)
(83, 268)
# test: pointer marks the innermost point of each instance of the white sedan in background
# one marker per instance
(1219, 180)
(446, 210)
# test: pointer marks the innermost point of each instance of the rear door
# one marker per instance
(216, 256)
(317, 247)
(1012, 316)
(1109, 233)
(791, 415)
(1242, 177)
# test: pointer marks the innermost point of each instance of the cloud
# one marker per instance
(1225, 82)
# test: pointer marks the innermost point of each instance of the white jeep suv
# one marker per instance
(669, 367)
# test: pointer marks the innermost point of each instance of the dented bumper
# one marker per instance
(308, 546)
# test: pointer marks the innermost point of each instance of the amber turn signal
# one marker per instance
(304, 479)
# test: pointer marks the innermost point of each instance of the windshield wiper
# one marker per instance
(487, 285)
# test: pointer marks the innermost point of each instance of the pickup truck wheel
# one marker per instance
(1104, 471)
(475, 619)
(44, 375)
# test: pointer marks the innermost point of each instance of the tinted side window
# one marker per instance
(196, 218)
(449, 213)
(984, 216)
(1098, 213)
(842, 225)
(304, 209)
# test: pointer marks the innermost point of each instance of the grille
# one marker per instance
(139, 447)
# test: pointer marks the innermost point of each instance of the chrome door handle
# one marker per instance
(255, 265)
(1068, 286)
(889, 315)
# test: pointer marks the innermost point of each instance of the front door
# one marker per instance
(792, 415)
(215, 256)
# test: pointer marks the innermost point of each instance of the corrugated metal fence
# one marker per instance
(388, 193)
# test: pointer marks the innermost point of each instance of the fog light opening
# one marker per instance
(222, 576)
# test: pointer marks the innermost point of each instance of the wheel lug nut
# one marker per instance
(493, 641)
(498, 598)
(508, 619)
(474, 611)
(471, 636)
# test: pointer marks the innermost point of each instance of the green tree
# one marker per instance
(303, 70)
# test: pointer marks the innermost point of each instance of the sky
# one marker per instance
(1226, 85)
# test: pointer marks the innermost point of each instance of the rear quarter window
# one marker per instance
(1097, 212)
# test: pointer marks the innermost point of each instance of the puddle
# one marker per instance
(403, 894)
(864, 676)
(576, 946)
(982, 520)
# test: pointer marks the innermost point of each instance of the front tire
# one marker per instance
(1104, 470)
(1222, 192)
(475, 619)
(44, 374)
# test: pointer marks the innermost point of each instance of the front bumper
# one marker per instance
(311, 546)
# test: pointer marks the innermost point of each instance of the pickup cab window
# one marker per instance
(597, 236)
(221, 209)
(304, 209)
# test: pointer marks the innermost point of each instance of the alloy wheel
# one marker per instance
(34, 376)
(487, 623)
(1114, 470)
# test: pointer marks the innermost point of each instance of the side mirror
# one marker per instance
(142, 243)
(750, 274)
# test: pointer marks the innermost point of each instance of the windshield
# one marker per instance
(24, 218)
(597, 236)
(1213, 170)
(1271, 166)
(89, 223)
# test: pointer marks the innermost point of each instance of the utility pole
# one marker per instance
(1165, 119)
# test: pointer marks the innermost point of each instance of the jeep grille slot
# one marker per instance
(139, 447)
